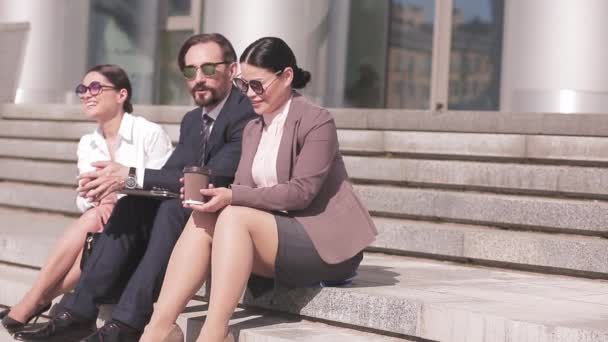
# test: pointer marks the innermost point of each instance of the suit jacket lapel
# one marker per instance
(219, 126)
(286, 154)
(249, 151)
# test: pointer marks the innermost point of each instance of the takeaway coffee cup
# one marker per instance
(195, 179)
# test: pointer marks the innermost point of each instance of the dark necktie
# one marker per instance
(205, 130)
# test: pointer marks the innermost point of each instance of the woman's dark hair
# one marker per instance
(118, 77)
(228, 51)
(274, 54)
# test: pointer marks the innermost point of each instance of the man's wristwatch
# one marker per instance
(131, 181)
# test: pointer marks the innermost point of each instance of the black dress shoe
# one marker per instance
(65, 327)
(12, 326)
(114, 331)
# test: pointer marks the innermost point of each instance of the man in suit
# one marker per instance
(133, 252)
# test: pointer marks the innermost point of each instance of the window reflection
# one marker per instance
(122, 33)
(179, 7)
(173, 89)
(366, 56)
(475, 58)
(410, 53)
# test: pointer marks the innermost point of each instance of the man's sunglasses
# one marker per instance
(208, 69)
(256, 86)
(95, 88)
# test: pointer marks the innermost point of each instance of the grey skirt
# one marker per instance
(298, 263)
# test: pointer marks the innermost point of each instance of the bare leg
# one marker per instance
(186, 272)
(245, 240)
(59, 263)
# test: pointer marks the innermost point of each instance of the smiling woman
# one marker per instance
(287, 213)
(105, 93)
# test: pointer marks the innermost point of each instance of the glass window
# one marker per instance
(476, 51)
(172, 88)
(366, 54)
(179, 7)
(121, 33)
(411, 33)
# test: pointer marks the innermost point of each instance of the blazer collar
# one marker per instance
(287, 148)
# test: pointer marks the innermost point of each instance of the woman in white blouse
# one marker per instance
(105, 94)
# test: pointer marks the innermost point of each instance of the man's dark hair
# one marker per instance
(225, 45)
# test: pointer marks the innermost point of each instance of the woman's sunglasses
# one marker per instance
(208, 69)
(95, 88)
(256, 86)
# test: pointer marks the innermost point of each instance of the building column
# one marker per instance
(56, 50)
(554, 56)
(304, 25)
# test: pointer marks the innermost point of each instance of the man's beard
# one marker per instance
(216, 95)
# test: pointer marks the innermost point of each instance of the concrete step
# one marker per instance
(488, 176)
(442, 301)
(59, 130)
(502, 177)
(568, 215)
(520, 212)
(524, 212)
(373, 119)
(42, 197)
(542, 252)
(247, 325)
(28, 237)
(39, 149)
(37, 171)
(562, 149)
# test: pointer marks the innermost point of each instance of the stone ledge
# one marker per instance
(376, 119)
(554, 149)
(27, 238)
(549, 180)
(541, 252)
(438, 301)
(526, 178)
(568, 215)
(441, 301)
(524, 212)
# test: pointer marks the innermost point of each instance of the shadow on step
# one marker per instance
(372, 276)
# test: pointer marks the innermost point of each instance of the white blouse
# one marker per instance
(142, 144)
(264, 167)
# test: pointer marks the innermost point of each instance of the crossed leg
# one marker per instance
(237, 242)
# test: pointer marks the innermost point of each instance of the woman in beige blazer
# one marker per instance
(291, 214)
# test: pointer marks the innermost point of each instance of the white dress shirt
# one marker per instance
(142, 144)
(264, 167)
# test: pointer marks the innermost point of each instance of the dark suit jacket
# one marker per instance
(313, 185)
(223, 147)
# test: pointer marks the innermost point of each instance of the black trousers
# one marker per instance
(131, 255)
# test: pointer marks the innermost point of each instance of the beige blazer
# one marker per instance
(313, 185)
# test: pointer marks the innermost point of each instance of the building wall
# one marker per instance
(555, 56)
(56, 50)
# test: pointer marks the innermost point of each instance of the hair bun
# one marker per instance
(301, 77)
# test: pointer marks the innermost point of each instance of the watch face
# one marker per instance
(130, 183)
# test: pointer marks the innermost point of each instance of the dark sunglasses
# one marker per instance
(256, 86)
(208, 69)
(95, 88)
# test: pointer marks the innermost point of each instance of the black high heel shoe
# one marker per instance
(12, 326)
(4, 313)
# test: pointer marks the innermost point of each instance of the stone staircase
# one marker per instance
(492, 225)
